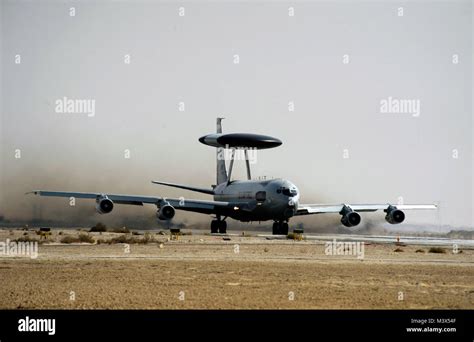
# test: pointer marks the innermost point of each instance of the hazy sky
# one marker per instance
(333, 63)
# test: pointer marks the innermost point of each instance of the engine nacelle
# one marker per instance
(104, 205)
(166, 212)
(394, 215)
(349, 217)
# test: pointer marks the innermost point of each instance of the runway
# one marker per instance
(408, 240)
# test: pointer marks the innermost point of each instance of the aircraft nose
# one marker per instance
(292, 207)
(293, 202)
(290, 211)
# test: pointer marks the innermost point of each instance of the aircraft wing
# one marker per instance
(310, 209)
(200, 206)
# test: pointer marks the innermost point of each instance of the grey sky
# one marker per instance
(282, 59)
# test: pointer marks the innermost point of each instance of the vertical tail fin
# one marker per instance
(221, 169)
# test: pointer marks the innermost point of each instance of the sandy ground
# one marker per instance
(207, 272)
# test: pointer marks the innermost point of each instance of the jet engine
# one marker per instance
(166, 212)
(349, 217)
(394, 215)
(104, 205)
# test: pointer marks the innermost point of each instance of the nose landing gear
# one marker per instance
(280, 228)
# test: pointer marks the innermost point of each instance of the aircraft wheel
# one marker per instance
(222, 227)
(284, 228)
(214, 226)
(276, 228)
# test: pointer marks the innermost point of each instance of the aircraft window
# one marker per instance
(289, 192)
(245, 194)
(261, 196)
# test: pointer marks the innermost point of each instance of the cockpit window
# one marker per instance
(288, 192)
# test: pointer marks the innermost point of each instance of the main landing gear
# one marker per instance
(218, 226)
(280, 228)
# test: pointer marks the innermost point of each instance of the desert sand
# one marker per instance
(201, 271)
